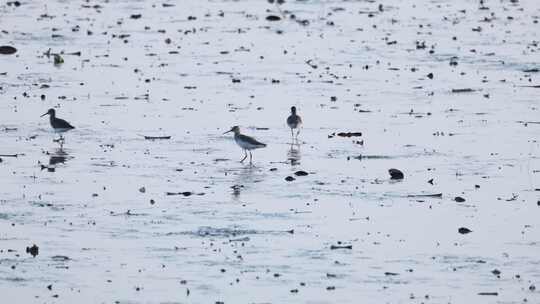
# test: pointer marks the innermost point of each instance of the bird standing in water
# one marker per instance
(245, 142)
(294, 121)
(59, 125)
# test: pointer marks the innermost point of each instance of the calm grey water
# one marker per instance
(246, 235)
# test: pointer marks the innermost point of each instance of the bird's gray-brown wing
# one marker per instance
(58, 123)
(250, 140)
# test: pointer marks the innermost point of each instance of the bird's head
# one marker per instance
(235, 130)
(293, 110)
(51, 112)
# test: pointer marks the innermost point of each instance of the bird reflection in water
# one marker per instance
(59, 156)
(293, 154)
(246, 178)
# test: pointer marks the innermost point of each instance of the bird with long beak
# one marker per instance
(245, 142)
(294, 121)
(59, 125)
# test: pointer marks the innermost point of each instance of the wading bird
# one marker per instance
(294, 121)
(245, 142)
(59, 125)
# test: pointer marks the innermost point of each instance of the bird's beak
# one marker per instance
(44, 114)
(228, 131)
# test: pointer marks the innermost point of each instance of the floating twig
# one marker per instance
(466, 90)
(349, 134)
(11, 155)
(155, 137)
(437, 195)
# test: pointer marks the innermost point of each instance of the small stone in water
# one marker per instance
(300, 173)
(464, 230)
(34, 250)
(273, 18)
(459, 199)
(289, 178)
(58, 59)
(7, 50)
(396, 174)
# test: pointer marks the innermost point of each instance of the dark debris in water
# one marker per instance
(185, 193)
(361, 157)
(349, 134)
(434, 195)
(60, 258)
(464, 90)
(488, 293)
(156, 137)
(301, 173)
(395, 174)
(33, 250)
(273, 18)
(464, 230)
(7, 50)
(335, 247)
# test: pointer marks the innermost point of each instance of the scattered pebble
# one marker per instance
(7, 50)
(33, 250)
(301, 173)
(58, 60)
(273, 18)
(464, 230)
(396, 174)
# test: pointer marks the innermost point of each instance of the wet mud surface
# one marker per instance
(146, 202)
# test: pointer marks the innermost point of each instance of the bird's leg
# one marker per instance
(292, 133)
(245, 156)
(250, 157)
(297, 132)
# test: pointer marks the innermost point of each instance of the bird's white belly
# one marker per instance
(61, 130)
(246, 145)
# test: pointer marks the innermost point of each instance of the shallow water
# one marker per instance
(246, 235)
